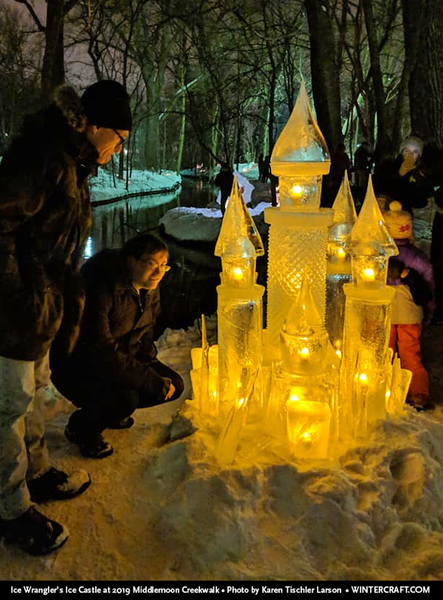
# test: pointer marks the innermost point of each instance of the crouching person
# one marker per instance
(113, 369)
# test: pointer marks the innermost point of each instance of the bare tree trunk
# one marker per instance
(324, 73)
(377, 78)
(423, 27)
(53, 70)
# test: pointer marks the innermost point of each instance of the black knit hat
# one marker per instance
(106, 104)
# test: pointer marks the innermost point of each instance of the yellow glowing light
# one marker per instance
(240, 402)
(369, 274)
(363, 377)
(294, 398)
(340, 253)
(238, 273)
(388, 393)
(338, 353)
(305, 352)
(307, 437)
(296, 191)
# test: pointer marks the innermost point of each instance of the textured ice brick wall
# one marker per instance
(294, 253)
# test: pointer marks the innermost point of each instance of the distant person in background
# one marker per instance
(114, 368)
(266, 169)
(261, 165)
(362, 164)
(405, 178)
(340, 163)
(224, 181)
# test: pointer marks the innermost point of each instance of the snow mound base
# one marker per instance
(376, 514)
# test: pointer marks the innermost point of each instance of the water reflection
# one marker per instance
(189, 288)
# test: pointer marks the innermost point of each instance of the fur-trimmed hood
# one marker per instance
(69, 103)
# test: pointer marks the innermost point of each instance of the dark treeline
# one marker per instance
(214, 80)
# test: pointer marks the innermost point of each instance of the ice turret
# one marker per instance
(366, 358)
(370, 245)
(339, 262)
(298, 232)
(240, 322)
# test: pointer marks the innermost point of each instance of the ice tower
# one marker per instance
(298, 227)
(240, 318)
(365, 366)
(339, 263)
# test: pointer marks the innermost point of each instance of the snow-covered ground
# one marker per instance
(104, 186)
(160, 508)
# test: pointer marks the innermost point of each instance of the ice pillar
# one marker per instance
(240, 320)
(365, 364)
(298, 232)
(339, 263)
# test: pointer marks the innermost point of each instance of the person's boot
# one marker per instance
(123, 424)
(33, 532)
(91, 445)
(57, 485)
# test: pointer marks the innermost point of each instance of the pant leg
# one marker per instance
(17, 389)
(163, 370)
(393, 338)
(103, 406)
(410, 355)
(38, 456)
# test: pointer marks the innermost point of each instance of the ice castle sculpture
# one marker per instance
(315, 379)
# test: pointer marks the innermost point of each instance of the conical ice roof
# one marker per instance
(237, 225)
(304, 317)
(370, 235)
(343, 207)
(301, 141)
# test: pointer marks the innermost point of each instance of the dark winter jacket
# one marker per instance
(117, 334)
(45, 218)
(411, 189)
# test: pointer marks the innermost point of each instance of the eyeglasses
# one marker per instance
(122, 139)
(152, 264)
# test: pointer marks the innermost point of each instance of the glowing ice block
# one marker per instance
(300, 412)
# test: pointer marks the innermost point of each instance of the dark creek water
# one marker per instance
(188, 289)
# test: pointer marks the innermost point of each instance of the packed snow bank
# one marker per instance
(104, 186)
(203, 224)
(160, 508)
(376, 515)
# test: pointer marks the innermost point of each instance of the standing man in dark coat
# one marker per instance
(224, 181)
(45, 218)
(114, 368)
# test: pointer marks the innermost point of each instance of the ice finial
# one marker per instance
(344, 219)
(304, 340)
(301, 141)
(304, 316)
(237, 223)
(370, 244)
(370, 230)
(344, 209)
